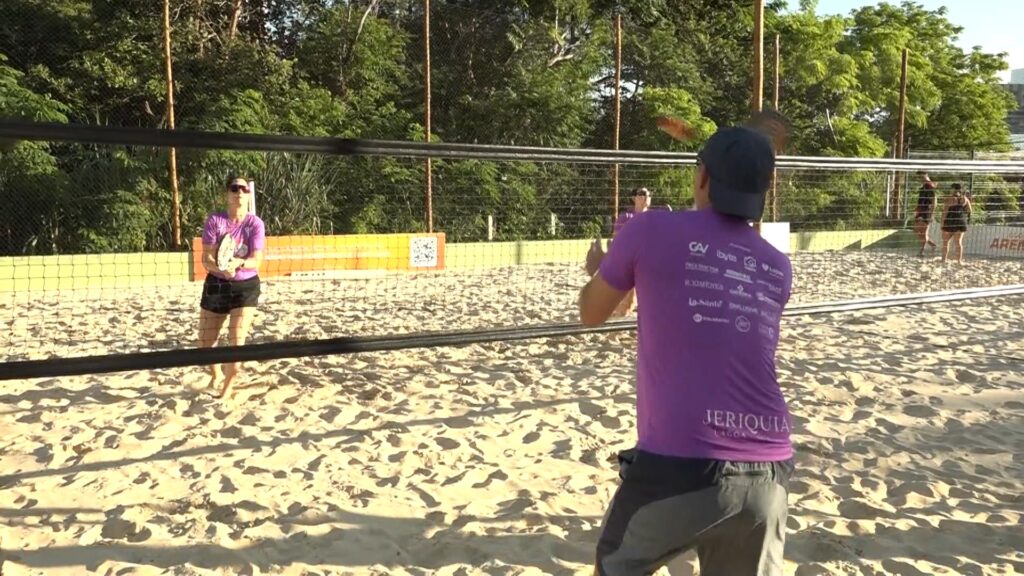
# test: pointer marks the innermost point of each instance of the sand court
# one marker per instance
(498, 458)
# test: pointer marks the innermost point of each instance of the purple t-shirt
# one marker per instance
(713, 291)
(622, 220)
(250, 234)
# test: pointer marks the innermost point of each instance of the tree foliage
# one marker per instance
(529, 72)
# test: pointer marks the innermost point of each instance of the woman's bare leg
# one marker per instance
(238, 331)
(959, 236)
(946, 236)
(210, 324)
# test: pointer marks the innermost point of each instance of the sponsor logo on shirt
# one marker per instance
(750, 263)
(701, 318)
(771, 287)
(698, 248)
(742, 424)
(706, 285)
(772, 271)
(739, 291)
(766, 331)
(742, 324)
(742, 308)
(698, 267)
(726, 256)
(702, 303)
(762, 298)
(738, 276)
(739, 247)
(769, 316)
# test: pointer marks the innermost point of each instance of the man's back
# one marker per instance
(713, 293)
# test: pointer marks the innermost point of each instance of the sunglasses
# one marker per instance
(236, 188)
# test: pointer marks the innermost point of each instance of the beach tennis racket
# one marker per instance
(770, 123)
(226, 251)
(677, 128)
(773, 125)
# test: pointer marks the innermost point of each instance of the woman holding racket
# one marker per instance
(233, 242)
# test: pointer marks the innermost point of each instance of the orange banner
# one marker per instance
(309, 255)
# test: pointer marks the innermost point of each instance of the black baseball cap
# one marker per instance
(740, 163)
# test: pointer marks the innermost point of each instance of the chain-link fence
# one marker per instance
(498, 74)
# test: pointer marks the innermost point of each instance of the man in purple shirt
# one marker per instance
(712, 463)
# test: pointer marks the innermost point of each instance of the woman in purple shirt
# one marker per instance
(231, 293)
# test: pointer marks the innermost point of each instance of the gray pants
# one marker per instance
(733, 513)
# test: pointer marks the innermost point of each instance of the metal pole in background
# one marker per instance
(428, 164)
(173, 157)
(757, 95)
(618, 112)
(773, 200)
(900, 128)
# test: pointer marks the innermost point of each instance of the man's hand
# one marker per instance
(594, 257)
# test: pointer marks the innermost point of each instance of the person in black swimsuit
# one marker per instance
(924, 211)
(954, 222)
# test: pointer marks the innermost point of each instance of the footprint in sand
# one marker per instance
(515, 507)
(919, 411)
(966, 376)
(428, 500)
(330, 414)
(447, 443)
(227, 486)
(858, 509)
(496, 475)
(117, 528)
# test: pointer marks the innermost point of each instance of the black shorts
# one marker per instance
(955, 228)
(221, 296)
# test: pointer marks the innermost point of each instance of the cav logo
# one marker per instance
(698, 248)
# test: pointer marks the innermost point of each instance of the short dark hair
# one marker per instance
(640, 191)
(956, 186)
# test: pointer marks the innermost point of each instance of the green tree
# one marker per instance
(953, 99)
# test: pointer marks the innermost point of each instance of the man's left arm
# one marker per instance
(612, 275)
